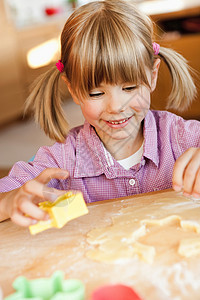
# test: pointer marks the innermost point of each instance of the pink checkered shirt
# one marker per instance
(97, 174)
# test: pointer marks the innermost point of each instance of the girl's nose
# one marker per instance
(115, 104)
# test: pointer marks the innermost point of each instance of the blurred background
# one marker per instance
(29, 45)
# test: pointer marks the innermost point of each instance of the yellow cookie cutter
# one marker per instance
(69, 206)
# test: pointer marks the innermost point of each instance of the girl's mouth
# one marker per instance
(118, 123)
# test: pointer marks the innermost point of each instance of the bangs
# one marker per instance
(108, 51)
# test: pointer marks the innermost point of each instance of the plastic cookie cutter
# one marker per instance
(69, 206)
(54, 288)
(116, 292)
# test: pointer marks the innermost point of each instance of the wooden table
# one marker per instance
(65, 249)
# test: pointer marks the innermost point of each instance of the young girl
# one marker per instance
(109, 62)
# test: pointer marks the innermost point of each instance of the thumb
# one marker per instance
(51, 173)
(51, 194)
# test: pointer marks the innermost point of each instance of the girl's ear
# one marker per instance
(76, 100)
(154, 74)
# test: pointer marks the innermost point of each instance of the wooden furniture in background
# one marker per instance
(15, 74)
(187, 44)
(11, 87)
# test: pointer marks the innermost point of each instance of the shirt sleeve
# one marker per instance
(187, 134)
(21, 172)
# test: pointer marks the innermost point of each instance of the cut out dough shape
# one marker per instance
(114, 251)
(170, 220)
(189, 247)
(113, 245)
(190, 226)
(120, 240)
(100, 235)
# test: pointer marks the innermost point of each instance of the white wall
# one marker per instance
(29, 12)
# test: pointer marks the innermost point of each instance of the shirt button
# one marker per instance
(132, 182)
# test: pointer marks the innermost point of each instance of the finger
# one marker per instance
(32, 210)
(50, 173)
(36, 188)
(196, 187)
(190, 174)
(36, 200)
(33, 188)
(51, 194)
(179, 168)
(19, 219)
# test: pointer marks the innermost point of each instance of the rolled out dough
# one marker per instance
(145, 239)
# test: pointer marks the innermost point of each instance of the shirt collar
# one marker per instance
(92, 159)
(151, 138)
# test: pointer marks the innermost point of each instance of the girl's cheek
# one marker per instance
(141, 107)
(91, 110)
(143, 102)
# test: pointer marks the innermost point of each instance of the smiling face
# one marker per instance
(108, 57)
(117, 111)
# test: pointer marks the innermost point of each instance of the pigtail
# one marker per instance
(45, 101)
(183, 88)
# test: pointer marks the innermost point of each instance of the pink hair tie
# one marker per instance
(156, 48)
(60, 66)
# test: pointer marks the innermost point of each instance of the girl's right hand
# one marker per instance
(22, 205)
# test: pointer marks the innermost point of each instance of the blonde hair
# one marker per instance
(105, 41)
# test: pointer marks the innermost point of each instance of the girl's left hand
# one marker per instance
(186, 174)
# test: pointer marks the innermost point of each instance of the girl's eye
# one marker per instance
(130, 88)
(95, 94)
